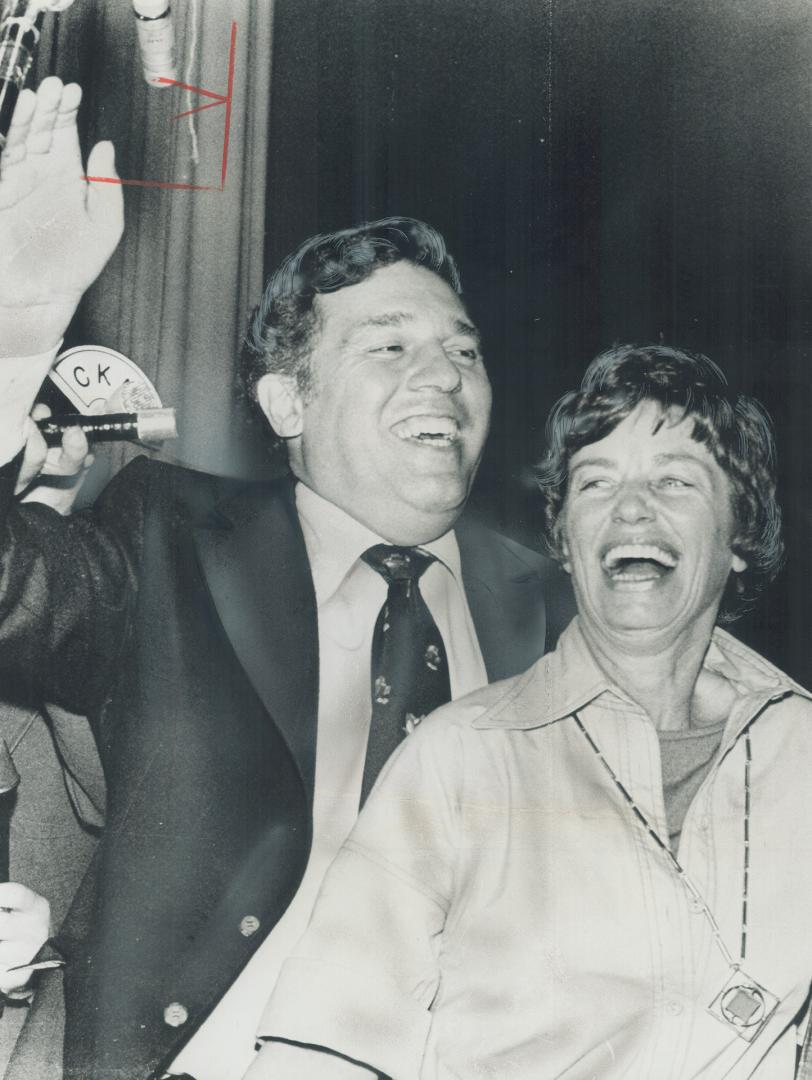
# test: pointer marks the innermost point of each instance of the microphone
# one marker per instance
(147, 426)
(156, 40)
(20, 25)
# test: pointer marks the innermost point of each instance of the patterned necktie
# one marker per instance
(409, 666)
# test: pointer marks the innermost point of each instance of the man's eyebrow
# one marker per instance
(463, 327)
(388, 318)
(595, 462)
(397, 318)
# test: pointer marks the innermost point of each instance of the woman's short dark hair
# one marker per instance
(736, 430)
(282, 326)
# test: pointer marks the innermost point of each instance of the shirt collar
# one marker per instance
(570, 678)
(335, 541)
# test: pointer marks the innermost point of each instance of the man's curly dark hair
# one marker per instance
(282, 327)
(736, 430)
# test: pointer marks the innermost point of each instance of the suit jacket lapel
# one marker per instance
(253, 556)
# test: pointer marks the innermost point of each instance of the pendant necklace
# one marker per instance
(742, 1004)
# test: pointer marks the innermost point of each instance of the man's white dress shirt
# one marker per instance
(349, 595)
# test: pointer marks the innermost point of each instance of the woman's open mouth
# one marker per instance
(638, 562)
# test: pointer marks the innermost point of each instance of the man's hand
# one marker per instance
(57, 231)
(25, 926)
(53, 476)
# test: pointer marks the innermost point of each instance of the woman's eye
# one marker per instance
(674, 482)
(390, 348)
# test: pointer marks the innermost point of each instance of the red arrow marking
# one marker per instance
(229, 96)
(149, 183)
(219, 99)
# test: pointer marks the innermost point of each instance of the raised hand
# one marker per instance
(57, 231)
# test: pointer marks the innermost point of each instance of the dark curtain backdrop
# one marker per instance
(177, 292)
(623, 170)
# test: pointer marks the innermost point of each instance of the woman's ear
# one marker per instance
(563, 547)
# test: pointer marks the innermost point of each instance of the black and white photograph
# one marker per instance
(405, 540)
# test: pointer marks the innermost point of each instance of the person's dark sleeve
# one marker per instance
(67, 589)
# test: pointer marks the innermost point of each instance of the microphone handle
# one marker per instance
(19, 35)
(149, 425)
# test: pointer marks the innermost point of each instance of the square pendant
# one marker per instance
(744, 1005)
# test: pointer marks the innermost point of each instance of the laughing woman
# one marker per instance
(603, 867)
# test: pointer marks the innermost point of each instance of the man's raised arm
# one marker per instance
(57, 576)
(57, 231)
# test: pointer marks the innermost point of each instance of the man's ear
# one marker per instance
(280, 399)
(738, 565)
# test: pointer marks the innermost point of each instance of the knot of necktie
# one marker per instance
(397, 563)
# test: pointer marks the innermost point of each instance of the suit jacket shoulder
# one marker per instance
(520, 600)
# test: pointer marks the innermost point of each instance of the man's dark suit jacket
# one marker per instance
(179, 614)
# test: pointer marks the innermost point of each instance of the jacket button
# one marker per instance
(175, 1014)
(249, 925)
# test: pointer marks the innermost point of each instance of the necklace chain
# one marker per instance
(694, 893)
(748, 757)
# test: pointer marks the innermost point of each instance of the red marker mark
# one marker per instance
(199, 108)
(219, 99)
(166, 184)
(229, 93)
